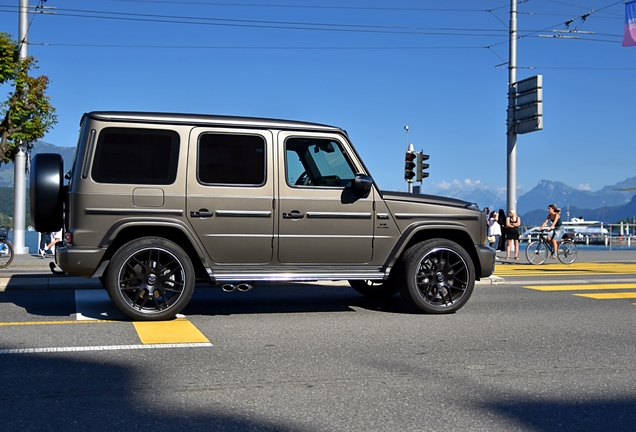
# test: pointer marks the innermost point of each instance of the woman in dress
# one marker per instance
(512, 233)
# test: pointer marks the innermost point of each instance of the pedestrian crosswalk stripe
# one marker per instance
(586, 287)
(164, 332)
(609, 296)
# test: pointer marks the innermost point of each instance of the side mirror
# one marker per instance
(362, 184)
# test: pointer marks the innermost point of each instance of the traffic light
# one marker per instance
(409, 164)
(421, 166)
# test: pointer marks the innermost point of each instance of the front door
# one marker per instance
(320, 218)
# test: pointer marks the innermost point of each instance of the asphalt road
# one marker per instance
(323, 358)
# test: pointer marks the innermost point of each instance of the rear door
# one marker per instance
(230, 194)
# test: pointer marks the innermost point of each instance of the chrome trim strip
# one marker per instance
(135, 212)
(326, 236)
(338, 215)
(286, 277)
(434, 216)
(243, 213)
(383, 215)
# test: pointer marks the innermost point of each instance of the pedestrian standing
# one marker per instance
(494, 229)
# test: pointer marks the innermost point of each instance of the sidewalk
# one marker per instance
(33, 272)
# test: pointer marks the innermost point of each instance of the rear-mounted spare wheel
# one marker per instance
(47, 181)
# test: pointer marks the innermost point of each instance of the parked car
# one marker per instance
(156, 201)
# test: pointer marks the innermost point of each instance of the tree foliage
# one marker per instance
(27, 114)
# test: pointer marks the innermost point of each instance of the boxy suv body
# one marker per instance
(156, 201)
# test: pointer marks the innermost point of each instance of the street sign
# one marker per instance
(528, 84)
(530, 111)
(528, 104)
(530, 125)
(529, 98)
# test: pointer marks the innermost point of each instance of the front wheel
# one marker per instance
(567, 252)
(150, 279)
(439, 277)
(536, 252)
(6, 254)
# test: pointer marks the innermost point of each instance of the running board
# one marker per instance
(278, 274)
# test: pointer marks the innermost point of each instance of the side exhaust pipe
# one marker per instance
(228, 287)
(244, 287)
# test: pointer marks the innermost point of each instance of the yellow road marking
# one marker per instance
(577, 268)
(609, 296)
(581, 287)
(165, 332)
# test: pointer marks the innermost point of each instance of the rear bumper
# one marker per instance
(486, 256)
(78, 262)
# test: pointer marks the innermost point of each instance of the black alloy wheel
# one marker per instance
(150, 279)
(440, 277)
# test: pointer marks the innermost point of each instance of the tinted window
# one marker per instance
(231, 159)
(317, 162)
(136, 156)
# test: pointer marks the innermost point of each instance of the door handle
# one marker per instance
(203, 213)
(295, 214)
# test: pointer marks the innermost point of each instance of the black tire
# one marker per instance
(46, 192)
(439, 277)
(6, 254)
(567, 252)
(150, 279)
(375, 289)
(536, 252)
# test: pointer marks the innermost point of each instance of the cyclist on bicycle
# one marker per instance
(553, 221)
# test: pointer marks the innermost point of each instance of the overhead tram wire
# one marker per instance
(233, 47)
(255, 5)
(291, 25)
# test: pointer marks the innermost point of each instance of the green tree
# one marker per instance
(27, 114)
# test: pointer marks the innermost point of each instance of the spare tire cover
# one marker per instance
(45, 192)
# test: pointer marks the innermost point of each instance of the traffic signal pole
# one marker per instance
(511, 120)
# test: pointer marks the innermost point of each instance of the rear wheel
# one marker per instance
(439, 277)
(567, 252)
(150, 279)
(375, 289)
(537, 252)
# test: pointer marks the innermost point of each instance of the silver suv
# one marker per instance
(155, 202)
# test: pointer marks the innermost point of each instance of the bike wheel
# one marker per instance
(6, 253)
(567, 252)
(536, 252)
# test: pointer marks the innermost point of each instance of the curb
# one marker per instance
(491, 280)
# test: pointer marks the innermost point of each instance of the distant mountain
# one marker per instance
(68, 153)
(553, 192)
(610, 204)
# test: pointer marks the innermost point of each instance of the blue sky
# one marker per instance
(370, 67)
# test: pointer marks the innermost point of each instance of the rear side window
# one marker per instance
(136, 156)
(231, 159)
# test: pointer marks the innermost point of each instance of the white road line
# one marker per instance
(102, 348)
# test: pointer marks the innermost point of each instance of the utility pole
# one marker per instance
(511, 120)
(19, 163)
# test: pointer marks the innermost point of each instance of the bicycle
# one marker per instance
(538, 250)
(6, 249)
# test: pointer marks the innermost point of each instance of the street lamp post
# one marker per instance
(19, 163)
